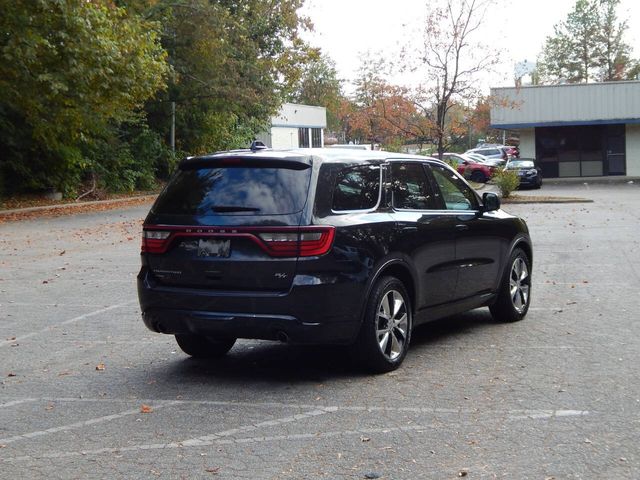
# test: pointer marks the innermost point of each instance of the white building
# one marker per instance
(297, 126)
(574, 130)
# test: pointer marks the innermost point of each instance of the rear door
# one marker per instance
(424, 233)
(230, 225)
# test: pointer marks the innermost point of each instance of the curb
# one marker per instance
(47, 208)
(525, 200)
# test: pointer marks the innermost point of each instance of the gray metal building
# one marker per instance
(574, 130)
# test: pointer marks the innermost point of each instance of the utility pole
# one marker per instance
(173, 127)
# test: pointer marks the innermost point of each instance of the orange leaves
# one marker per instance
(146, 408)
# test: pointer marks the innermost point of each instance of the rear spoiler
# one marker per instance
(244, 161)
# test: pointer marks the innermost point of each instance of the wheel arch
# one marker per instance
(525, 245)
(398, 268)
(521, 242)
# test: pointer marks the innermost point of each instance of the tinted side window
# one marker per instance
(456, 195)
(357, 188)
(410, 187)
(491, 151)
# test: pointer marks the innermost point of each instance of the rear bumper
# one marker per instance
(323, 311)
(529, 181)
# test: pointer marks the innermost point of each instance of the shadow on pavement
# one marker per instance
(257, 361)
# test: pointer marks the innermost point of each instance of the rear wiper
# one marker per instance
(233, 208)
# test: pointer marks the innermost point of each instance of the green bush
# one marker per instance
(507, 181)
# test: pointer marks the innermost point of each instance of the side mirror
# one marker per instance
(491, 202)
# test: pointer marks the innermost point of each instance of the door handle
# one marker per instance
(461, 227)
(409, 229)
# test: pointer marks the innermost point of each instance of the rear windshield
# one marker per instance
(520, 164)
(235, 191)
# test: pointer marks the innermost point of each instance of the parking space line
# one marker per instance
(16, 402)
(217, 440)
(59, 305)
(206, 440)
(541, 414)
(6, 343)
(515, 414)
(77, 425)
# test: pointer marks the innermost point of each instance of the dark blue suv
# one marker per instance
(330, 246)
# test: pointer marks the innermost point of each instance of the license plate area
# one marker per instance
(214, 248)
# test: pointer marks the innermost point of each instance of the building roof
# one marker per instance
(568, 104)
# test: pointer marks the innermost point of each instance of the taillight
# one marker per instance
(317, 242)
(155, 241)
(302, 242)
(277, 242)
(280, 244)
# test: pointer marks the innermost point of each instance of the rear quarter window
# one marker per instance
(357, 188)
(235, 191)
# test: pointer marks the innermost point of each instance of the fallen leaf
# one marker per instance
(49, 407)
(3, 446)
(371, 475)
(365, 439)
(145, 409)
(463, 473)
(10, 339)
(63, 374)
(62, 252)
(213, 470)
(100, 367)
(11, 374)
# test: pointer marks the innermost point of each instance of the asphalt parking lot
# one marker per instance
(87, 392)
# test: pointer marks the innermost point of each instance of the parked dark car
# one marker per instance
(469, 168)
(325, 246)
(529, 172)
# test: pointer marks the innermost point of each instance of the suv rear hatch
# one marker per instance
(232, 223)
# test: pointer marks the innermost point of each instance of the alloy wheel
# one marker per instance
(519, 284)
(392, 323)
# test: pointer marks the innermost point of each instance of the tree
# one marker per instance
(449, 59)
(588, 45)
(234, 63)
(69, 71)
(613, 54)
(381, 112)
(319, 85)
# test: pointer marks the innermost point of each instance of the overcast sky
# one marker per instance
(345, 29)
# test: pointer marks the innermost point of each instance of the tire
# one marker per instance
(385, 332)
(204, 347)
(514, 292)
(478, 177)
